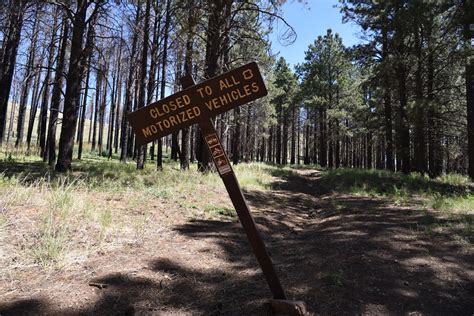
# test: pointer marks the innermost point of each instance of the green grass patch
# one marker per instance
(462, 204)
(395, 185)
(219, 210)
(254, 175)
(452, 196)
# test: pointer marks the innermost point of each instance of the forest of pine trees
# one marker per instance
(402, 100)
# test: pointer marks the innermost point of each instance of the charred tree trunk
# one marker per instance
(143, 68)
(33, 107)
(77, 63)
(103, 103)
(159, 156)
(214, 42)
(83, 112)
(44, 101)
(117, 116)
(56, 94)
(125, 130)
(12, 114)
(7, 65)
(152, 82)
(29, 74)
(188, 63)
(114, 112)
(98, 86)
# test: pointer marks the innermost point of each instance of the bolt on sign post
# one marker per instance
(198, 103)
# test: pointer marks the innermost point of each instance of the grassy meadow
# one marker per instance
(52, 220)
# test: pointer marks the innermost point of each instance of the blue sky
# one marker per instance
(309, 21)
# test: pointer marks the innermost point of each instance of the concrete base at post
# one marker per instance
(287, 307)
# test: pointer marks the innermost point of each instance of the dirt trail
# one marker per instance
(340, 253)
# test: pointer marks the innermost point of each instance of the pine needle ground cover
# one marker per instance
(107, 238)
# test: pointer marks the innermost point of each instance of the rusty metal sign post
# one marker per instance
(197, 103)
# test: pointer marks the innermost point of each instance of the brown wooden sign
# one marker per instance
(197, 104)
(182, 109)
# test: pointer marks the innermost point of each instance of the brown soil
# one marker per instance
(341, 254)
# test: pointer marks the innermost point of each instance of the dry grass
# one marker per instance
(52, 221)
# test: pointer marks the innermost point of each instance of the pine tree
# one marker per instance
(76, 71)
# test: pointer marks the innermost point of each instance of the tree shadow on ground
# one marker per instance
(183, 287)
(25, 171)
(362, 254)
(366, 258)
(91, 171)
(175, 286)
(341, 254)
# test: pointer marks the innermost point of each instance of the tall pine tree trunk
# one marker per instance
(322, 138)
(114, 108)
(188, 66)
(159, 156)
(12, 114)
(98, 87)
(307, 133)
(33, 107)
(337, 145)
(270, 145)
(83, 112)
(236, 140)
(470, 115)
(7, 65)
(127, 107)
(468, 8)
(44, 101)
(56, 94)
(103, 103)
(77, 63)
(403, 131)
(369, 150)
(117, 116)
(419, 131)
(278, 145)
(218, 15)
(330, 144)
(26, 83)
(284, 151)
(390, 165)
(143, 70)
